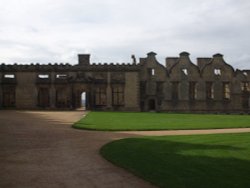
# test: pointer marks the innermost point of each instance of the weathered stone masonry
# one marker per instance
(210, 86)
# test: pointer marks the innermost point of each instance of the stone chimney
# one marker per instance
(218, 55)
(184, 54)
(84, 59)
(151, 56)
(217, 58)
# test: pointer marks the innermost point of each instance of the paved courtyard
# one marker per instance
(40, 149)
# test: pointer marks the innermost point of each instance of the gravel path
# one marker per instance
(40, 149)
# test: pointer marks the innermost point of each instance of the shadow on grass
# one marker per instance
(177, 164)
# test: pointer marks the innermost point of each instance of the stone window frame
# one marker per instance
(175, 91)
(117, 95)
(61, 76)
(9, 92)
(209, 90)
(41, 93)
(192, 90)
(226, 91)
(100, 96)
(9, 76)
(245, 86)
(217, 72)
(151, 72)
(43, 76)
(185, 71)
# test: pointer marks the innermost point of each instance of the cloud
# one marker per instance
(48, 31)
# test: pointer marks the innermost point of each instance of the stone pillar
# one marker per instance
(52, 91)
(52, 97)
(109, 92)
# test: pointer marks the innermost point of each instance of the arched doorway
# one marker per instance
(151, 105)
(81, 96)
(83, 100)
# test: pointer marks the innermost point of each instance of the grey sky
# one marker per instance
(111, 30)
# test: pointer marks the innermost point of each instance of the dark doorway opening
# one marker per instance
(151, 105)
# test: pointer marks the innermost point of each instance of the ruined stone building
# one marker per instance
(210, 86)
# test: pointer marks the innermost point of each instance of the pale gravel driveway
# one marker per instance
(40, 149)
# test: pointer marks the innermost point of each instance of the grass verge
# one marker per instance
(121, 121)
(218, 161)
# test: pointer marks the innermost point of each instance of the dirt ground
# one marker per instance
(40, 149)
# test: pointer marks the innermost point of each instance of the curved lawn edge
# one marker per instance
(162, 160)
(121, 130)
(140, 121)
(104, 155)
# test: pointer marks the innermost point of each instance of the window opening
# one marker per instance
(185, 71)
(226, 91)
(217, 72)
(11, 76)
(43, 76)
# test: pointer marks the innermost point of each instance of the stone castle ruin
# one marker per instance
(180, 86)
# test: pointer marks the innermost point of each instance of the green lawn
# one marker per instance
(200, 161)
(159, 121)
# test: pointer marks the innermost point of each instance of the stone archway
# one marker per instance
(78, 91)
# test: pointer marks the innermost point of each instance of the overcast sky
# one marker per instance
(111, 30)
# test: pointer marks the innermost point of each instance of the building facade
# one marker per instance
(180, 86)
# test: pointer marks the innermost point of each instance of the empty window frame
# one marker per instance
(159, 87)
(43, 76)
(175, 89)
(118, 95)
(100, 96)
(9, 96)
(43, 97)
(245, 86)
(61, 76)
(209, 90)
(192, 90)
(217, 72)
(151, 72)
(143, 88)
(185, 71)
(226, 90)
(9, 76)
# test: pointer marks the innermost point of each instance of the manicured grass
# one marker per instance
(159, 121)
(200, 161)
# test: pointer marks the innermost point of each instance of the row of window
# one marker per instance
(41, 76)
(193, 90)
(217, 72)
(46, 76)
